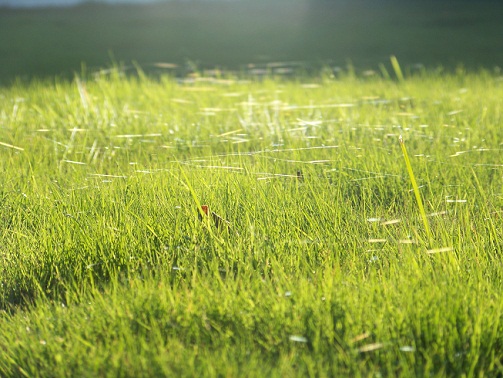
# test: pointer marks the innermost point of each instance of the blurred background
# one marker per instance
(42, 38)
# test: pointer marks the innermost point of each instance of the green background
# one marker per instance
(44, 42)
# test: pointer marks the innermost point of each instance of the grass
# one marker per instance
(106, 269)
(415, 187)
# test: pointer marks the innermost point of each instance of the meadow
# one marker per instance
(329, 267)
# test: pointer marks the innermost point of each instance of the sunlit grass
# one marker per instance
(106, 268)
(415, 187)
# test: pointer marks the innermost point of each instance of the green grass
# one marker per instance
(106, 270)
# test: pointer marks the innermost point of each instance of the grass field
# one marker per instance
(232, 35)
(327, 268)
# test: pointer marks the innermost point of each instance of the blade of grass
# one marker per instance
(396, 67)
(416, 189)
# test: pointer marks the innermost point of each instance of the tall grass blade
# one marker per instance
(396, 67)
(416, 189)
